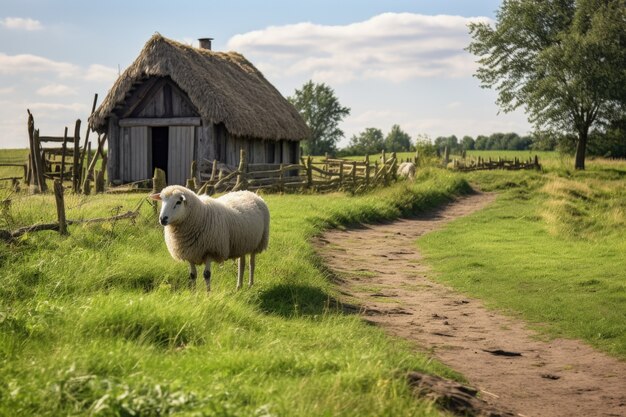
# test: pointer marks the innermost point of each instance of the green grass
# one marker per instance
(550, 249)
(100, 323)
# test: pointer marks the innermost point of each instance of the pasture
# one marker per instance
(100, 322)
(550, 250)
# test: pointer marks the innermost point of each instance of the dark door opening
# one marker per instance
(160, 145)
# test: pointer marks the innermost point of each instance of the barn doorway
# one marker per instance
(160, 146)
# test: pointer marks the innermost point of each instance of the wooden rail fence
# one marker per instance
(317, 176)
(66, 161)
(480, 163)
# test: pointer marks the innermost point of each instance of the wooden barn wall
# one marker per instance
(163, 99)
(113, 152)
(136, 158)
(180, 153)
(206, 149)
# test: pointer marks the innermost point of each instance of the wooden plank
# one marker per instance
(139, 153)
(155, 122)
(75, 158)
(125, 151)
(180, 153)
(113, 168)
(59, 139)
(138, 96)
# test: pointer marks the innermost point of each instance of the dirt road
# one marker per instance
(381, 270)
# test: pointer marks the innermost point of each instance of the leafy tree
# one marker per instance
(468, 143)
(322, 112)
(397, 140)
(562, 60)
(370, 141)
(452, 142)
(481, 142)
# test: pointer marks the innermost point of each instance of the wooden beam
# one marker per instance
(156, 121)
(55, 139)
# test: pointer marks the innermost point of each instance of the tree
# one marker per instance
(451, 142)
(397, 140)
(561, 60)
(370, 141)
(468, 143)
(322, 112)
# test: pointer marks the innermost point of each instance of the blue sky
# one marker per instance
(389, 61)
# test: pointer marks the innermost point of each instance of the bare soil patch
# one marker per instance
(379, 268)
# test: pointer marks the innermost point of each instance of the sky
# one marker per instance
(391, 62)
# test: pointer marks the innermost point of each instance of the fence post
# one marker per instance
(354, 174)
(214, 170)
(158, 180)
(309, 172)
(41, 167)
(394, 166)
(367, 170)
(340, 174)
(76, 158)
(375, 169)
(281, 184)
(446, 155)
(241, 176)
(58, 196)
(86, 150)
(63, 150)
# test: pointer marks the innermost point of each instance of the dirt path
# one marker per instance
(381, 270)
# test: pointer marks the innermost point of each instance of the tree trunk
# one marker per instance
(581, 148)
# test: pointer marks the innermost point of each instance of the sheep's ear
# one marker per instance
(156, 196)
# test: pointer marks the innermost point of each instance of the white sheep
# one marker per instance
(201, 229)
(406, 170)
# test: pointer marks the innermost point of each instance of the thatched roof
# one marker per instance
(224, 87)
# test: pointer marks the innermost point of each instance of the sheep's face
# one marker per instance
(173, 208)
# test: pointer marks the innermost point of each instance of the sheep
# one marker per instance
(201, 229)
(406, 170)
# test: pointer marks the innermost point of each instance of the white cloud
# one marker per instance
(97, 72)
(27, 63)
(389, 46)
(57, 90)
(454, 105)
(21, 23)
(7, 90)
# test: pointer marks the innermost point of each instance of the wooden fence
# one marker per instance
(62, 222)
(317, 176)
(69, 160)
(480, 163)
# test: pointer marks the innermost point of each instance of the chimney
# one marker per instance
(205, 43)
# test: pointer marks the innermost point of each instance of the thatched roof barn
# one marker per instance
(177, 103)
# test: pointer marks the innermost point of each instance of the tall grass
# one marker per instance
(101, 323)
(551, 250)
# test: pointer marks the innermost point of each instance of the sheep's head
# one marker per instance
(174, 207)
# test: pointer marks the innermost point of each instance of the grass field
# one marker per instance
(551, 250)
(100, 322)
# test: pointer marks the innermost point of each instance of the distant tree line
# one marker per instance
(372, 141)
(496, 141)
(322, 112)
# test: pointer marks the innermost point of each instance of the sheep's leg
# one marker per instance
(252, 264)
(240, 268)
(207, 275)
(193, 273)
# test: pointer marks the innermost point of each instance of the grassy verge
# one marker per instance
(99, 322)
(550, 249)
